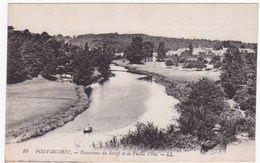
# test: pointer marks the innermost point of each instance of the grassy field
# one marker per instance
(37, 106)
(172, 73)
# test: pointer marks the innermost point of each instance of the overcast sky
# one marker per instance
(208, 21)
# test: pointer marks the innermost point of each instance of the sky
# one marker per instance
(203, 21)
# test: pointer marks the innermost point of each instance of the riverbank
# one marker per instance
(178, 88)
(37, 106)
(118, 104)
(171, 72)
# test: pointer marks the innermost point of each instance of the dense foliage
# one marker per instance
(134, 51)
(121, 42)
(139, 51)
(161, 52)
(148, 136)
(31, 54)
(238, 78)
(201, 110)
(169, 62)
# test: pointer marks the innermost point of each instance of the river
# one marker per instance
(116, 106)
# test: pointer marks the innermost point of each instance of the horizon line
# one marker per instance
(168, 37)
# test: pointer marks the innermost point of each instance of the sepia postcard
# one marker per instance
(113, 82)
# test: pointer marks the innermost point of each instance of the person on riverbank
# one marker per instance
(218, 144)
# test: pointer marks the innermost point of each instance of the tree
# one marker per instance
(201, 110)
(161, 52)
(200, 63)
(15, 64)
(147, 50)
(15, 70)
(82, 68)
(10, 29)
(134, 51)
(52, 53)
(232, 74)
(190, 48)
(246, 92)
(86, 47)
(255, 48)
(103, 59)
(218, 46)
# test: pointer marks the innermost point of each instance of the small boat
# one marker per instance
(87, 129)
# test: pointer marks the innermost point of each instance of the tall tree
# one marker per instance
(15, 69)
(190, 48)
(134, 51)
(161, 52)
(147, 51)
(103, 59)
(232, 75)
(82, 68)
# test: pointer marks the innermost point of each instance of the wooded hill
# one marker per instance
(121, 41)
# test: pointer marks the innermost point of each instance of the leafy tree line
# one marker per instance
(31, 54)
(122, 41)
(140, 51)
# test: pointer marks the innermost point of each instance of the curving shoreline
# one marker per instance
(179, 89)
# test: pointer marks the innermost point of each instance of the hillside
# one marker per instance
(122, 41)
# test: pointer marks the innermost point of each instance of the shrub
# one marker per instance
(201, 110)
(205, 61)
(148, 136)
(228, 120)
(246, 100)
(215, 58)
(217, 64)
(182, 60)
(179, 141)
(145, 136)
(169, 63)
(190, 64)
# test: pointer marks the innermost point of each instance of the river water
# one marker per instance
(116, 106)
(121, 101)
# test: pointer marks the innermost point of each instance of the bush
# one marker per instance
(169, 63)
(145, 136)
(179, 141)
(201, 110)
(190, 64)
(246, 100)
(182, 60)
(148, 136)
(205, 61)
(217, 64)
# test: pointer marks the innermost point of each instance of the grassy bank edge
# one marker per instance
(50, 121)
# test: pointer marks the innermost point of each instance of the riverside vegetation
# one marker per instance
(32, 54)
(35, 103)
(202, 104)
